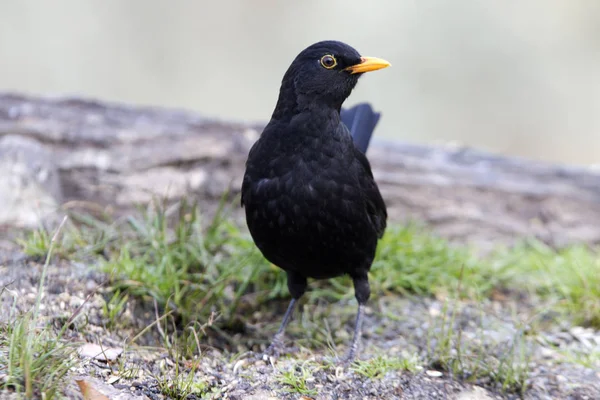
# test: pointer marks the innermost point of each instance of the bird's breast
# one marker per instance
(306, 192)
(304, 204)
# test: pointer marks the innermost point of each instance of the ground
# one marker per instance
(462, 343)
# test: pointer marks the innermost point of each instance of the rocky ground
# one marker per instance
(506, 345)
(496, 352)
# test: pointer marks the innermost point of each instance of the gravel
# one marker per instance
(494, 326)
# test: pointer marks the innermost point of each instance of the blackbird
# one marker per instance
(312, 205)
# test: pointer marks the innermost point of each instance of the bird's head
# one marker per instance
(323, 74)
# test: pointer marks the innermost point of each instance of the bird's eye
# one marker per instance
(328, 61)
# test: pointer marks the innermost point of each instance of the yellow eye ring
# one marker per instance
(328, 61)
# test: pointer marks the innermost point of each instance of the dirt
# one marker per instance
(394, 326)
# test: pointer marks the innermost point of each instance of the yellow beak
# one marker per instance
(368, 64)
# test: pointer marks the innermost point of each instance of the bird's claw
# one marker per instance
(274, 349)
(348, 359)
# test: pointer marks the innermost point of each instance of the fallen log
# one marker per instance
(59, 150)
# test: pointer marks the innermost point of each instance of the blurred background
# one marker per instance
(514, 77)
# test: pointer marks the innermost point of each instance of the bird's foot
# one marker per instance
(352, 352)
(351, 355)
(348, 359)
(275, 348)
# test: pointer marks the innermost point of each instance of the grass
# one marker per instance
(377, 367)
(36, 360)
(177, 382)
(298, 378)
(475, 359)
(590, 359)
(113, 308)
(411, 261)
(570, 277)
(170, 255)
(82, 237)
(195, 269)
(178, 377)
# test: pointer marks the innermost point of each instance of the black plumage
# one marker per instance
(312, 205)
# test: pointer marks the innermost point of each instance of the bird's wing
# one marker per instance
(375, 205)
(247, 181)
(258, 158)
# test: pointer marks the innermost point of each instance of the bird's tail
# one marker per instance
(361, 121)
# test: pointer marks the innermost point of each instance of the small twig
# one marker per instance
(136, 337)
(197, 341)
(158, 327)
(5, 287)
(88, 205)
(46, 264)
(87, 299)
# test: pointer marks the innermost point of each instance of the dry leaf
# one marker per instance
(89, 392)
(95, 389)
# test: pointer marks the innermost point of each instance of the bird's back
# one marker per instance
(312, 205)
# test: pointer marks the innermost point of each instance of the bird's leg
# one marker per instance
(277, 342)
(362, 293)
(297, 287)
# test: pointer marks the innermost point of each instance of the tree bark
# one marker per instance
(63, 150)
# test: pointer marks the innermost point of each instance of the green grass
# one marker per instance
(177, 382)
(36, 361)
(589, 359)
(377, 367)
(196, 268)
(34, 357)
(410, 260)
(113, 308)
(190, 266)
(505, 366)
(569, 277)
(298, 378)
(82, 237)
(178, 378)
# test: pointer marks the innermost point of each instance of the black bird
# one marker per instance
(312, 205)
